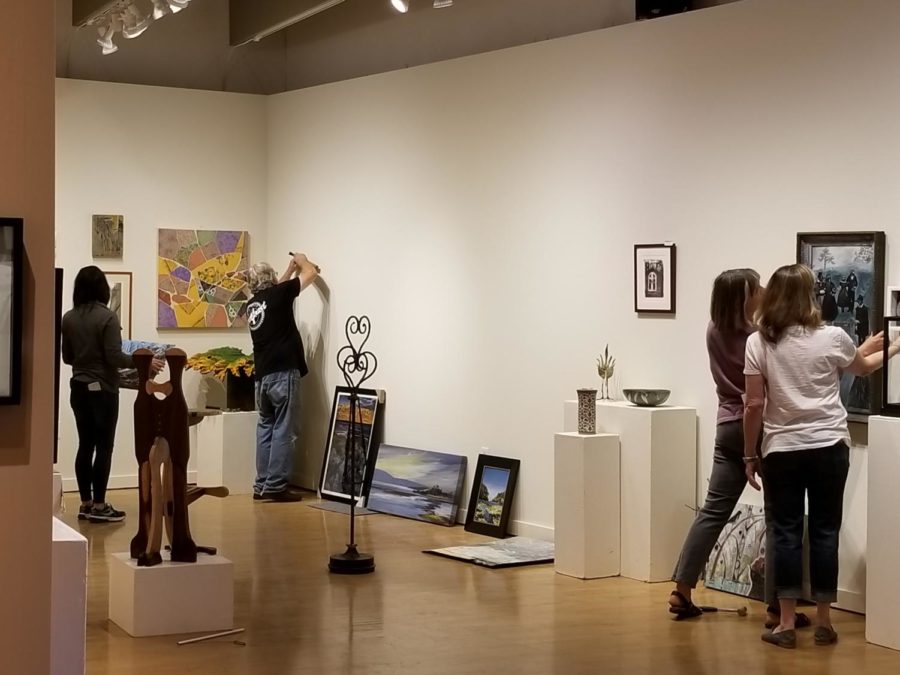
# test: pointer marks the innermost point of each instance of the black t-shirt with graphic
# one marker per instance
(276, 340)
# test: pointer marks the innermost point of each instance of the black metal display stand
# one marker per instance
(357, 366)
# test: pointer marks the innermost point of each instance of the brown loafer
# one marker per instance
(825, 635)
(786, 639)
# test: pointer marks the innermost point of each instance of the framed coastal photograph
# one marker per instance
(849, 271)
(120, 299)
(336, 481)
(107, 236)
(654, 278)
(493, 490)
(11, 260)
(418, 484)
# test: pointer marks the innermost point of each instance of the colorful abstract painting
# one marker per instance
(201, 279)
(737, 563)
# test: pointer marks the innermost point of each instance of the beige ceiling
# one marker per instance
(352, 39)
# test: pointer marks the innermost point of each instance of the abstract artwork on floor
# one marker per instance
(417, 484)
(849, 271)
(336, 481)
(107, 236)
(512, 552)
(202, 279)
(737, 563)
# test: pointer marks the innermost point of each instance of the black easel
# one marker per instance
(357, 366)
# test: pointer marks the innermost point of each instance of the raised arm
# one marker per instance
(307, 271)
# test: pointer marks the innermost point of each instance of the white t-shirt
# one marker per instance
(803, 399)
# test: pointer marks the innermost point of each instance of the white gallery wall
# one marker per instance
(483, 211)
(162, 158)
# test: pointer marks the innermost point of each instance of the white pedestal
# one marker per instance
(586, 505)
(171, 598)
(883, 554)
(658, 481)
(226, 451)
(57, 493)
(68, 600)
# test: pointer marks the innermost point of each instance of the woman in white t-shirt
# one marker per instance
(793, 369)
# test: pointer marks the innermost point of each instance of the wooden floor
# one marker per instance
(422, 614)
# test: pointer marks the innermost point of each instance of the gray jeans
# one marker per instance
(726, 484)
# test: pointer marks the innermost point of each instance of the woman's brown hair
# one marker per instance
(789, 301)
(732, 289)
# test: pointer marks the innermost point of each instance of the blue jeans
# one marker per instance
(278, 403)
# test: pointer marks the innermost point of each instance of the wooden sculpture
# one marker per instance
(162, 447)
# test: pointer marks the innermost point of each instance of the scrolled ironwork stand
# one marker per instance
(357, 366)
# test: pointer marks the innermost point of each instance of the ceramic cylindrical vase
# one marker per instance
(587, 411)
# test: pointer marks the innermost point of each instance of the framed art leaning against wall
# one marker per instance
(11, 260)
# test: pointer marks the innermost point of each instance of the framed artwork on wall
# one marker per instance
(107, 236)
(11, 261)
(335, 482)
(417, 484)
(120, 299)
(849, 271)
(493, 490)
(654, 278)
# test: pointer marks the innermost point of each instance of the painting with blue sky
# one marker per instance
(491, 495)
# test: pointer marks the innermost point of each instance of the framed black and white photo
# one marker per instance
(120, 299)
(493, 490)
(336, 482)
(654, 278)
(11, 259)
(849, 271)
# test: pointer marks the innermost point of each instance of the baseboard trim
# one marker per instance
(851, 601)
(121, 482)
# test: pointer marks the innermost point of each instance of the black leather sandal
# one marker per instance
(800, 619)
(686, 610)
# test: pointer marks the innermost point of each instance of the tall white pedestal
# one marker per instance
(68, 600)
(883, 554)
(586, 505)
(171, 598)
(658, 481)
(226, 451)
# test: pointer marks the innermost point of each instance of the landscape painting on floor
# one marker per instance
(492, 495)
(417, 484)
(336, 482)
(849, 271)
(202, 279)
(737, 563)
(107, 236)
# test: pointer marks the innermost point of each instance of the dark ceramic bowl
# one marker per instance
(647, 398)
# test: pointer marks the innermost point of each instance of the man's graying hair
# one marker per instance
(261, 277)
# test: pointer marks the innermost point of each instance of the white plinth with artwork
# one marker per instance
(883, 545)
(68, 600)
(226, 451)
(658, 482)
(586, 505)
(171, 598)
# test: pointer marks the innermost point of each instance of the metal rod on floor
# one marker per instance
(211, 637)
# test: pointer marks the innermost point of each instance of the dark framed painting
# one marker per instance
(418, 484)
(336, 481)
(120, 299)
(654, 278)
(493, 490)
(11, 261)
(849, 271)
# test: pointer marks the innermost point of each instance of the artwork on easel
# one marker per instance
(737, 563)
(335, 481)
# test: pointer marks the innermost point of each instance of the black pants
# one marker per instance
(96, 416)
(818, 475)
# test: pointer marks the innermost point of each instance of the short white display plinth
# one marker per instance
(68, 600)
(586, 505)
(226, 451)
(658, 481)
(883, 545)
(171, 598)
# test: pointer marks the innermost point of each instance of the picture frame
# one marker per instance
(12, 257)
(334, 481)
(120, 299)
(492, 495)
(849, 271)
(655, 278)
(107, 236)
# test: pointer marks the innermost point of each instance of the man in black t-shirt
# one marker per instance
(279, 364)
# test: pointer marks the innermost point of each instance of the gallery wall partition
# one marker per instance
(189, 198)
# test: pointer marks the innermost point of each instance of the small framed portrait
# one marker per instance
(654, 278)
(492, 495)
(120, 299)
